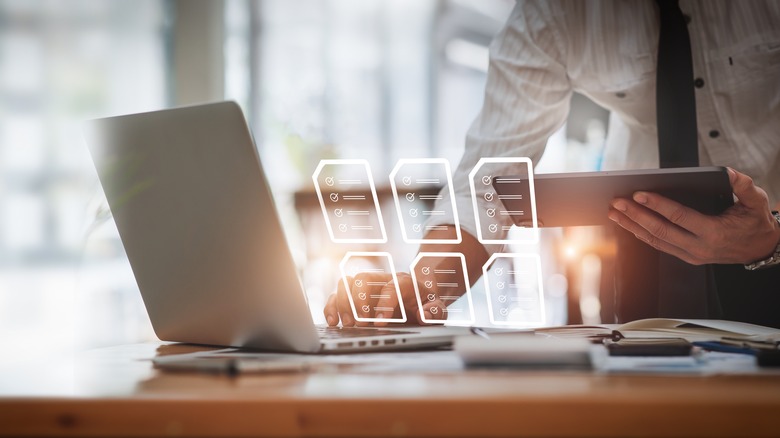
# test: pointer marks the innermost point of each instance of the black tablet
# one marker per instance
(583, 198)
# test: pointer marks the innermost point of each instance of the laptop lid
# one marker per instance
(200, 228)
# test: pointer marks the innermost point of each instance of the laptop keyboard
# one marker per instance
(356, 332)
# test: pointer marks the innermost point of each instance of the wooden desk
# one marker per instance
(115, 391)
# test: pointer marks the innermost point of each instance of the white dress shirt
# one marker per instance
(606, 50)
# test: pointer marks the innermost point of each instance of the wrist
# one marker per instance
(773, 258)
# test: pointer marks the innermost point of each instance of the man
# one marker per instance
(728, 109)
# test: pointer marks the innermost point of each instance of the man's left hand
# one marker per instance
(744, 233)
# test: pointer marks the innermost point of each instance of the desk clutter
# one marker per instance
(652, 346)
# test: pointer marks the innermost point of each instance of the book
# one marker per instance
(693, 330)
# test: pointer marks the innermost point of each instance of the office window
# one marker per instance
(63, 273)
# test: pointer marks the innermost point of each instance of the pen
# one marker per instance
(233, 366)
(724, 348)
(479, 332)
(237, 366)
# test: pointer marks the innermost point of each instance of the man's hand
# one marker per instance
(338, 306)
(377, 291)
(744, 233)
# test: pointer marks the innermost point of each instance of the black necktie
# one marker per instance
(675, 99)
(683, 289)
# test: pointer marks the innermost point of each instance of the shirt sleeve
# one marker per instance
(526, 100)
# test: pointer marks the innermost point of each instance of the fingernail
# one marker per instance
(732, 175)
(330, 320)
(619, 205)
(640, 197)
(379, 315)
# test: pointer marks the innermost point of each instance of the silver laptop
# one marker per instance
(199, 225)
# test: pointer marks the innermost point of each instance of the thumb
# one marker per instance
(747, 193)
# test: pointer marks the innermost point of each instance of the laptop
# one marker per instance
(198, 222)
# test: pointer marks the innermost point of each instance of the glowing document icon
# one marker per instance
(349, 202)
(370, 282)
(514, 290)
(416, 185)
(494, 219)
(439, 278)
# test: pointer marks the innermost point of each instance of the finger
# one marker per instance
(331, 310)
(387, 302)
(678, 214)
(642, 234)
(435, 310)
(358, 290)
(375, 287)
(656, 225)
(365, 289)
(409, 295)
(388, 305)
(344, 307)
(747, 193)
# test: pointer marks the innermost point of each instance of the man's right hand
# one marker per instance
(339, 308)
(375, 296)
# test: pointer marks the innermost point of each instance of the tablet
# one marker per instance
(583, 198)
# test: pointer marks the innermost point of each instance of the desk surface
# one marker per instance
(116, 391)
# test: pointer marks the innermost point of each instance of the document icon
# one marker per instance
(442, 286)
(349, 202)
(417, 186)
(496, 183)
(513, 285)
(371, 285)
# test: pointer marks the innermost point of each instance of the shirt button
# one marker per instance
(714, 133)
(620, 94)
(698, 83)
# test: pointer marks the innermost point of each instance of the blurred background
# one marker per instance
(373, 79)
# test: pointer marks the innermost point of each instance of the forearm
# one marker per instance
(475, 254)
